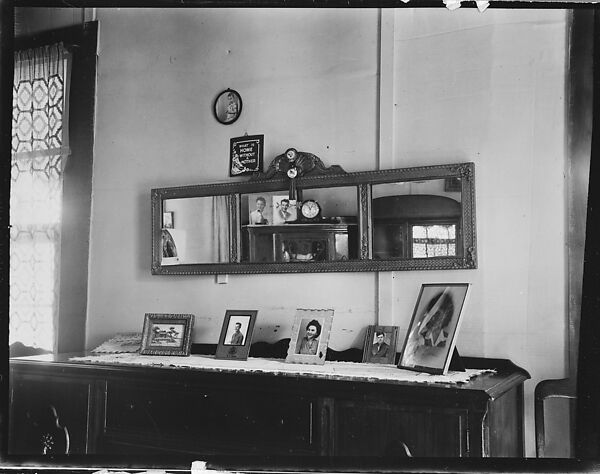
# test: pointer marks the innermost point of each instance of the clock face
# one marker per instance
(310, 209)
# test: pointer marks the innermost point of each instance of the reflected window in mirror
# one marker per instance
(433, 240)
(196, 230)
(418, 219)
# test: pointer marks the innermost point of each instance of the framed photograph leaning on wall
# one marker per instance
(167, 334)
(431, 336)
(310, 335)
(380, 344)
(236, 334)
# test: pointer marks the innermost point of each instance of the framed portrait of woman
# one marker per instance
(228, 106)
(310, 335)
(431, 336)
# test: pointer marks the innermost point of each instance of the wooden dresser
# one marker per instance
(58, 404)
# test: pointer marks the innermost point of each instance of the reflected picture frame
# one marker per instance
(167, 334)
(384, 352)
(236, 334)
(284, 209)
(305, 348)
(227, 107)
(431, 336)
(168, 220)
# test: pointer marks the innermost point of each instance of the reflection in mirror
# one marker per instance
(420, 218)
(195, 230)
(417, 219)
(275, 229)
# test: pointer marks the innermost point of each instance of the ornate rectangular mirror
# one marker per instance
(318, 219)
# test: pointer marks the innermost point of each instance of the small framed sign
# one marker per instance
(246, 155)
(236, 334)
(167, 334)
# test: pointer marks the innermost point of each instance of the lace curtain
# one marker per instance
(220, 229)
(39, 150)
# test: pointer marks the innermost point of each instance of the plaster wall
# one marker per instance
(307, 80)
(489, 88)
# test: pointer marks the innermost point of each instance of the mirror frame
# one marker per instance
(363, 181)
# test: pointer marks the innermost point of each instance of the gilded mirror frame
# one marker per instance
(363, 182)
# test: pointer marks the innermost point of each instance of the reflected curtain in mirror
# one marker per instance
(39, 152)
(220, 228)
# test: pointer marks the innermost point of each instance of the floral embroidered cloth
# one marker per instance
(330, 370)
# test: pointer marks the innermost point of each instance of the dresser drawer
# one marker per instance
(382, 429)
(48, 416)
(209, 419)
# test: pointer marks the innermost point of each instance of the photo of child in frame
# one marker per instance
(259, 216)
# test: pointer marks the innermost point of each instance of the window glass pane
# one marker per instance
(38, 151)
(434, 241)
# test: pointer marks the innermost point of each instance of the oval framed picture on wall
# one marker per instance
(228, 106)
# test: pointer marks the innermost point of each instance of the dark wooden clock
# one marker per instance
(310, 211)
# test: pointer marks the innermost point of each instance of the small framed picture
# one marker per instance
(260, 209)
(168, 220)
(246, 155)
(167, 334)
(431, 336)
(380, 344)
(227, 106)
(236, 334)
(310, 335)
(284, 210)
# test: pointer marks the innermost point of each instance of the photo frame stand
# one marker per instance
(456, 363)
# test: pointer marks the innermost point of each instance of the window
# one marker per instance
(39, 150)
(433, 240)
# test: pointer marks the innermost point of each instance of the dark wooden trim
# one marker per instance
(6, 93)
(77, 190)
(69, 35)
(501, 4)
(587, 438)
(579, 117)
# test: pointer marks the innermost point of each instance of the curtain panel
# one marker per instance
(39, 151)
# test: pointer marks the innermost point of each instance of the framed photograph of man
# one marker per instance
(431, 336)
(284, 210)
(167, 334)
(310, 335)
(380, 344)
(236, 334)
